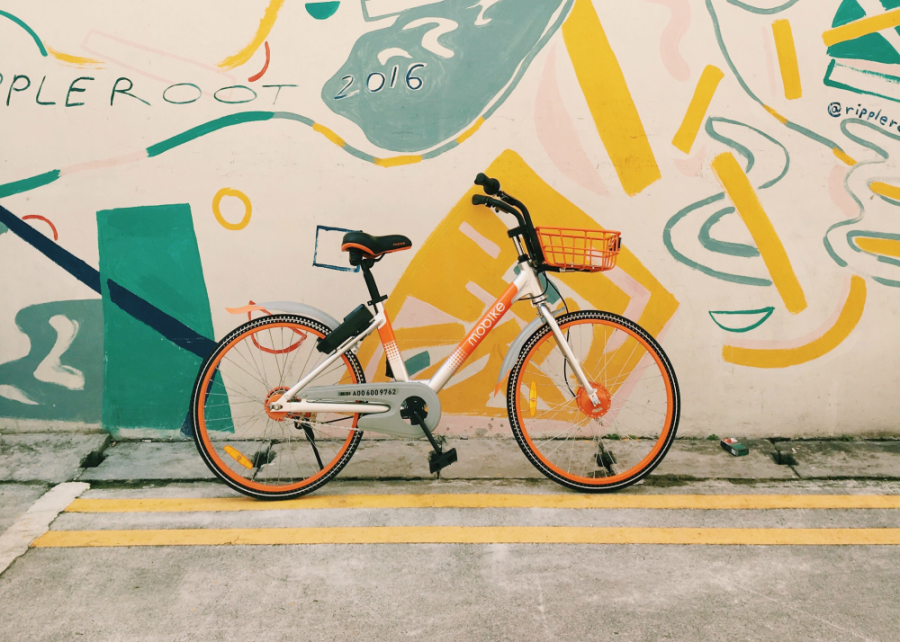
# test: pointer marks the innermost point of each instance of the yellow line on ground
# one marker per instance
(473, 535)
(684, 502)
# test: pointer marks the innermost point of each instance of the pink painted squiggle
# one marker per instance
(558, 135)
(671, 37)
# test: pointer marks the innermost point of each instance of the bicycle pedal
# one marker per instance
(437, 461)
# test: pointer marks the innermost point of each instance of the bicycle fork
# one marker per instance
(563, 344)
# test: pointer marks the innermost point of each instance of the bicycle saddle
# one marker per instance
(374, 246)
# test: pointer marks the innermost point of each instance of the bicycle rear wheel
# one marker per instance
(254, 450)
(603, 448)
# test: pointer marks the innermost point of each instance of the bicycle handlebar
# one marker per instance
(491, 185)
(510, 205)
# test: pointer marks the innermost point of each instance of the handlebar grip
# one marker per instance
(479, 199)
(491, 185)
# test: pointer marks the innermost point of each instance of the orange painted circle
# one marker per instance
(670, 397)
(204, 433)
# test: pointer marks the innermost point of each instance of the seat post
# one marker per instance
(366, 265)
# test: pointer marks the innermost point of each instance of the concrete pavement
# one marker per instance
(492, 591)
(55, 457)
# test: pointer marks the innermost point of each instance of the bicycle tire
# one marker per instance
(596, 471)
(261, 346)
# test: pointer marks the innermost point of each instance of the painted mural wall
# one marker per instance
(165, 164)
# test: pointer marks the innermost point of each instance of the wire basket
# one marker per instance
(582, 250)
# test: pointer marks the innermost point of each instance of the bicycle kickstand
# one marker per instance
(415, 411)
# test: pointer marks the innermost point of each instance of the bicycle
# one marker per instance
(280, 405)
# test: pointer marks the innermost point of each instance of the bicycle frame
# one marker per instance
(525, 285)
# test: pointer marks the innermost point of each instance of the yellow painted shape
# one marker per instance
(466, 263)
(885, 247)
(614, 112)
(696, 111)
(471, 130)
(787, 59)
(236, 455)
(844, 157)
(484, 500)
(396, 161)
(74, 60)
(472, 535)
(248, 207)
(265, 26)
(783, 358)
(330, 135)
(886, 190)
(739, 189)
(779, 117)
(863, 27)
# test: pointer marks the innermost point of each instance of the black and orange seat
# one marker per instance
(374, 246)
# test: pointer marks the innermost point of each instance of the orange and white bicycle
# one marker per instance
(281, 404)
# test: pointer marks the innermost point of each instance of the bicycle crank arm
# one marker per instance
(304, 407)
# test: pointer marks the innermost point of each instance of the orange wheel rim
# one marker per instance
(661, 440)
(220, 463)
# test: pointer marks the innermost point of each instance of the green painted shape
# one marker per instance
(765, 312)
(763, 11)
(873, 46)
(723, 247)
(84, 354)
(30, 31)
(486, 63)
(152, 252)
(830, 82)
(849, 11)
(207, 128)
(322, 10)
(417, 363)
(27, 184)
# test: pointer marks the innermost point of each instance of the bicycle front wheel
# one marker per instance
(256, 451)
(571, 441)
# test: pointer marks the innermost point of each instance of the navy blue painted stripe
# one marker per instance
(63, 258)
(168, 326)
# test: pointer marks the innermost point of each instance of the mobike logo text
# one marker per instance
(486, 324)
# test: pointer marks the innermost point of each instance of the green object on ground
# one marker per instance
(733, 447)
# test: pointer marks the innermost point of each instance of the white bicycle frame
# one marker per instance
(526, 285)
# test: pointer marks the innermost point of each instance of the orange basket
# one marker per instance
(582, 250)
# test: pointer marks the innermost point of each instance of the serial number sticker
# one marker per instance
(382, 392)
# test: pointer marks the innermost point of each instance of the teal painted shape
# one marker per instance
(849, 11)
(479, 52)
(873, 46)
(152, 252)
(207, 128)
(84, 355)
(723, 247)
(417, 363)
(29, 30)
(762, 315)
(322, 10)
(28, 184)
